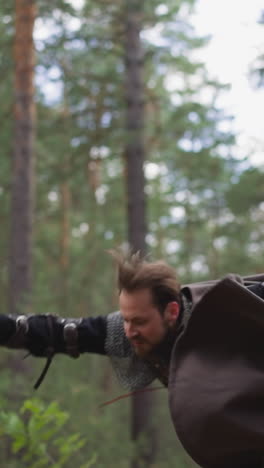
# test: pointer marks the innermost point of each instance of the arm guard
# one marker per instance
(39, 333)
(46, 335)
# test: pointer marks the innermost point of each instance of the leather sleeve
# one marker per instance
(92, 335)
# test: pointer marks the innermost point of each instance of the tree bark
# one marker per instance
(22, 186)
(134, 152)
(136, 200)
(65, 202)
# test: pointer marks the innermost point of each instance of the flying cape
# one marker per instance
(216, 385)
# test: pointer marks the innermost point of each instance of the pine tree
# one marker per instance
(23, 160)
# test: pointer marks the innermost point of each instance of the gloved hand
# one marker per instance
(7, 328)
(36, 333)
(44, 332)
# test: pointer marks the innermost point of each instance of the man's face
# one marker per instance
(144, 326)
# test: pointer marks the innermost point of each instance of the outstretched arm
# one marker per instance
(46, 335)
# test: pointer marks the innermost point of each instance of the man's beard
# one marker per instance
(162, 348)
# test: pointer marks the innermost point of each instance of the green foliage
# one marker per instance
(241, 197)
(36, 435)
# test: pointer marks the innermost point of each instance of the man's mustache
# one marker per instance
(138, 339)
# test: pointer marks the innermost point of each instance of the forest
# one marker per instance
(109, 139)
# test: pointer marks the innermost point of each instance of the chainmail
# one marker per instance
(132, 372)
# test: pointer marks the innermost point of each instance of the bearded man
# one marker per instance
(203, 341)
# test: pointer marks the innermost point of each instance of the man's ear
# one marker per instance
(172, 311)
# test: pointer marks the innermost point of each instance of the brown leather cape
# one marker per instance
(216, 384)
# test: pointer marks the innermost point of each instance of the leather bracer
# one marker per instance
(43, 335)
(46, 335)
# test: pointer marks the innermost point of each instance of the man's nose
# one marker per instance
(130, 331)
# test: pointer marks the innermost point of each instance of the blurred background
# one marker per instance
(122, 122)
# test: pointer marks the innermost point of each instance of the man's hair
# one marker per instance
(135, 273)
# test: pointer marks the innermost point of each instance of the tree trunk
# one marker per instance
(134, 153)
(136, 203)
(65, 200)
(20, 265)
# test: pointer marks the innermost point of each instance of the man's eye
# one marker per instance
(140, 322)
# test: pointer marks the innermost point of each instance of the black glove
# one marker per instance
(45, 332)
(37, 333)
(7, 329)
